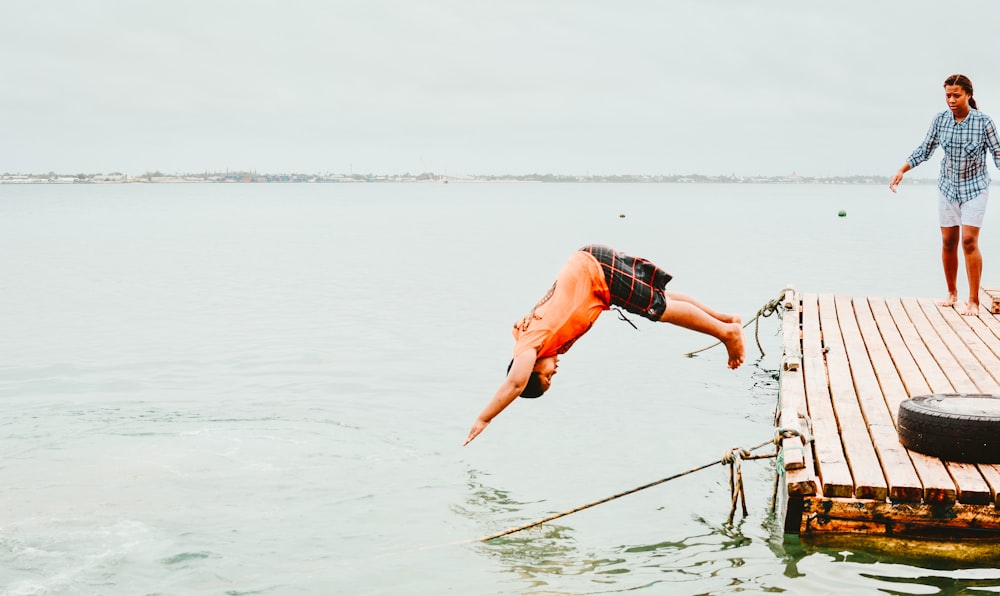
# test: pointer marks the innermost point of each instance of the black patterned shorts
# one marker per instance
(635, 284)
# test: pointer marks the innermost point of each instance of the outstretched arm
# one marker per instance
(919, 155)
(508, 391)
(899, 176)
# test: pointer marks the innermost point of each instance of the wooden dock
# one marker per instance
(847, 364)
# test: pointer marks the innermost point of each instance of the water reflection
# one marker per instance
(534, 554)
(706, 557)
(544, 557)
(894, 566)
(945, 585)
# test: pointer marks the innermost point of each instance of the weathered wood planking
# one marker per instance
(831, 463)
(985, 346)
(947, 520)
(854, 361)
(800, 477)
(990, 321)
(793, 406)
(990, 299)
(869, 480)
(900, 474)
(926, 347)
(955, 362)
(893, 362)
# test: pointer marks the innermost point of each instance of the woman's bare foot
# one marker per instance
(971, 309)
(733, 340)
(949, 301)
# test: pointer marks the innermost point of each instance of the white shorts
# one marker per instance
(969, 213)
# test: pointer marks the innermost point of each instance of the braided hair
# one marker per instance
(962, 81)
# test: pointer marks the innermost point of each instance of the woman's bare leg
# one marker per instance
(949, 261)
(973, 267)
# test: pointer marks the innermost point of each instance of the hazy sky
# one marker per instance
(472, 87)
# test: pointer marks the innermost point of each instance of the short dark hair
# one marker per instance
(534, 387)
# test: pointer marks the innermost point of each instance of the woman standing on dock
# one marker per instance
(965, 134)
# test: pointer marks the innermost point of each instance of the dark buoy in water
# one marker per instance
(842, 214)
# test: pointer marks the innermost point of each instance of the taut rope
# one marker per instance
(733, 457)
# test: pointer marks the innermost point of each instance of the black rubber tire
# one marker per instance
(961, 427)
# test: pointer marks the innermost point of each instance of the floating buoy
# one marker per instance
(842, 214)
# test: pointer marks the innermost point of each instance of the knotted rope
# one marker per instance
(734, 458)
(765, 311)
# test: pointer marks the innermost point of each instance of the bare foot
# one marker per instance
(949, 301)
(734, 342)
(971, 309)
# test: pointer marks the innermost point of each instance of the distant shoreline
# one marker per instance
(431, 178)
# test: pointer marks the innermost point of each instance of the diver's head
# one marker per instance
(541, 376)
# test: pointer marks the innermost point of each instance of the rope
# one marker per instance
(765, 311)
(734, 457)
(731, 457)
(742, 455)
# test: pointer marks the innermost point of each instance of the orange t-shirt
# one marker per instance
(579, 295)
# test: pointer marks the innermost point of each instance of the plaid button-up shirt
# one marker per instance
(963, 169)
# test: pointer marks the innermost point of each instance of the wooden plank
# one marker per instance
(901, 519)
(791, 341)
(985, 346)
(802, 482)
(992, 321)
(989, 329)
(800, 476)
(799, 481)
(792, 448)
(796, 453)
(791, 299)
(831, 464)
(992, 302)
(976, 348)
(791, 334)
(963, 344)
(866, 469)
(972, 487)
(956, 378)
(991, 473)
(933, 378)
(979, 326)
(897, 330)
(900, 475)
(881, 337)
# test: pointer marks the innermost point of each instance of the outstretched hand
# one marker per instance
(512, 386)
(477, 428)
(898, 177)
(895, 181)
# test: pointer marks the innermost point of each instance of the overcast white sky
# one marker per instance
(473, 87)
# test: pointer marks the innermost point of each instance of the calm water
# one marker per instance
(246, 389)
